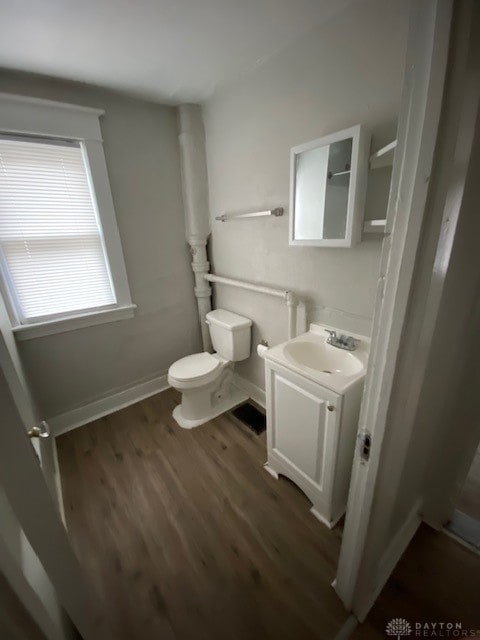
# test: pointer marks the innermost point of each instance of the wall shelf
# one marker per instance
(384, 156)
(374, 226)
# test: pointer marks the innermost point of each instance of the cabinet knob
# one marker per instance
(331, 407)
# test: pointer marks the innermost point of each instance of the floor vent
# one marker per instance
(251, 417)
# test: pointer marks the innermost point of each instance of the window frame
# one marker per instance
(37, 118)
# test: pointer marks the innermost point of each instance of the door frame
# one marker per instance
(452, 397)
(426, 65)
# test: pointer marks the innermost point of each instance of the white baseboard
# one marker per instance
(252, 390)
(118, 400)
(109, 404)
(390, 558)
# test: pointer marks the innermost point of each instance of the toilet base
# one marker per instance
(234, 398)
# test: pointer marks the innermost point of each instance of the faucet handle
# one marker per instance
(332, 336)
(350, 343)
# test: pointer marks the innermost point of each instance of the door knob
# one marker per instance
(41, 430)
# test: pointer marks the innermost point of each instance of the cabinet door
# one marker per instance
(304, 426)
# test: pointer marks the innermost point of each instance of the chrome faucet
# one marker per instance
(349, 343)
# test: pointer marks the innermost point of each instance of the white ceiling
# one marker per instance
(168, 50)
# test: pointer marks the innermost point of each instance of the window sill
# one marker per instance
(49, 327)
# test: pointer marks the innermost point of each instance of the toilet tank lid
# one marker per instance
(227, 319)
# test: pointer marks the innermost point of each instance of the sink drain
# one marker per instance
(326, 371)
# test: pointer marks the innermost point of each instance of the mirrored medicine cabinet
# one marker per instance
(328, 180)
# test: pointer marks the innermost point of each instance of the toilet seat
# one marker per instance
(194, 368)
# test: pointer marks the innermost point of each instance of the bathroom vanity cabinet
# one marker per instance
(311, 435)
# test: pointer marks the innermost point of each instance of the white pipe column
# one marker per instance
(292, 304)
(203, 292)
(195, 201)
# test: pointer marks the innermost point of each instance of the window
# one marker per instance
(51, 243)
(60, 253)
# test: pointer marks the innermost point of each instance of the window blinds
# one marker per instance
(51, 243)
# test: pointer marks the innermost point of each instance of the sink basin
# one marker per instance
(311, 356)
(323, 357)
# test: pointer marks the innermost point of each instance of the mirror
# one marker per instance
(328, 180)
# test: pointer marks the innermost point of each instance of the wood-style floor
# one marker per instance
(437, 580)
(186, 536)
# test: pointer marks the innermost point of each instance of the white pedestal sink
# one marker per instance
(314, 392)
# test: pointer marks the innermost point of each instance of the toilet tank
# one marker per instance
(230, 334)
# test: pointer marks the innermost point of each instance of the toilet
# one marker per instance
(205, 379)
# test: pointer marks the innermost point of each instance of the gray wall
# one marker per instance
(141, 147)
(348, 71)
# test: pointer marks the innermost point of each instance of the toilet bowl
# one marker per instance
(205, 379)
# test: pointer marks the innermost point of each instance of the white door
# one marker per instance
(14, 373)
(34, 507)
(12, 367)
(22, 612)
(35, 552)
(361, 575)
